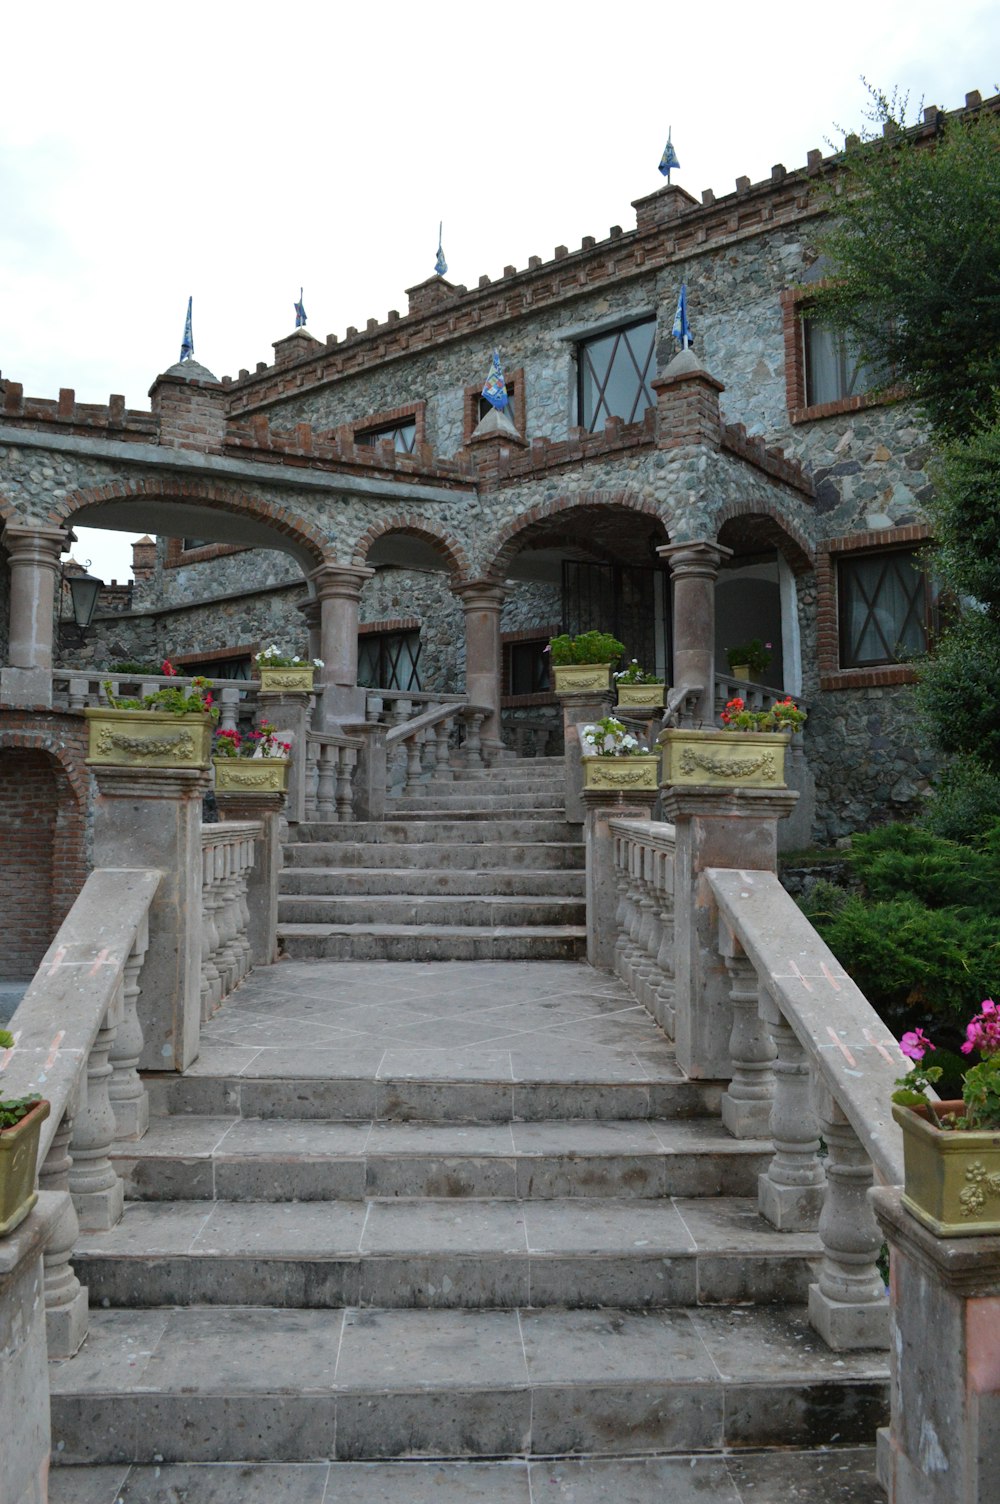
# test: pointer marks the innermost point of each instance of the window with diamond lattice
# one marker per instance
(403, 436)
(614, 373)
(390, 660)
(884, 608)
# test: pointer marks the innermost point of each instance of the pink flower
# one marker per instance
(167, 669)
(915, 1044)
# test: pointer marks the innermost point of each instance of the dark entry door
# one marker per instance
(630, 601)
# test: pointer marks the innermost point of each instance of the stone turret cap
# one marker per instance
(190, 370)
(683, 367)
(497, 422)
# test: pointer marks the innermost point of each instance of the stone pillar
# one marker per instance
(151, 817)
(24, 1379)
(713, 828)
(262, 878)
(482, 601)
(34, 569)
(603, 897)
(338, 590)
(943, 1442)
(694, 568)
(311, 612)
(579, 710)
(289, 711)
(371, 772)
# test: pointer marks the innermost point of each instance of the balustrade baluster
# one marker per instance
(665, 1001)
(790, 1194)
(622, 912)
(127, 1095)
(748, 1102)
(326, 789)
(311, 777)
(443, 736)
(98, 1194)
(66, 1316)
(229, 703)
(413, 765)
(346, 763)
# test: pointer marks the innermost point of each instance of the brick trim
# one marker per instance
(390, 417)
(831, 675)
(394, 624)
(529, 634)
(246, 650)
(177, 555)
(415, 526)
(512, 537)
(470, 405)
(793, 301)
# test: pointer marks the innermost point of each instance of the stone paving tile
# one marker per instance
(753, 1343)
(733, 1224)
(838, 1476)
(423, 1140)
(352, 1058)
(428, 1483)
(151, 1227)
(646, 1480)
(608, 1347)
(445, 1064)
(594, 1226)
(450, 1226)
(200, 1483)
(305, 1228)
(576, 1137)
(87, 1485)
(245, 1350)
(301, 1137)
(414, 1350)
(115, 1355)
(179, 1135)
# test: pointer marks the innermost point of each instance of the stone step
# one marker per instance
(469, 910)
(462, 805)
(498, 881)
(437, 942)
(282, 1385)
(266, 1159)
(470, 827)
(530, 855)
(440, 1253)
(832, 1475)
(493, 784)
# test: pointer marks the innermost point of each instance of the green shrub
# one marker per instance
(965, 801)
(586, 647)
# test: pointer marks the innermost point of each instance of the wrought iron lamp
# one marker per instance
(83, 592)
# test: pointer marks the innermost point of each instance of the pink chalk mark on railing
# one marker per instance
(50, 1059)
(841, 1046)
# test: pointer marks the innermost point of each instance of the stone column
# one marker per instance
(713, 828)
(311, 612)
(289, 711)
(694, 568)
(262, 879)
(943, 1442)
(579, 710)
(34, 569)
(601, 881)
(338, 590)
(371, 772)
(24, 1379)
(151, 817)
(482, 601)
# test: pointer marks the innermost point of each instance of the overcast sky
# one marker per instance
(238, 152)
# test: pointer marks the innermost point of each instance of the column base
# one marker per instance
(790, 1208)
(131, 1116)
(99, 1211)
(27, 687)
(67, 1326)
(746, 1119)
(846, 1327)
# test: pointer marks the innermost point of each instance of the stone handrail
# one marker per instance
(396, 705)
(808, 1059)
(77, 1041)
(331, 760)
(426, 740)
(757, 696)
(227, 857)
(75, 689)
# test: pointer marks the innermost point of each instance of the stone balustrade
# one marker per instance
(227, 857)
(430, 740)
(75, 690)
(331, 761)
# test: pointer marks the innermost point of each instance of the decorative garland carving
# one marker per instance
(983, 1184)
(182, 746)
(723, 767)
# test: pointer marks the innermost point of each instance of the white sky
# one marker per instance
(238, 152)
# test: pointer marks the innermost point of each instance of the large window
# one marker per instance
(403, 435)
(614, 373)
(883, 608)
(389, 660)
(833, 368)
(526, 667)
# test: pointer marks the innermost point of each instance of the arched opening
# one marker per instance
(411, 631)
(756, 597)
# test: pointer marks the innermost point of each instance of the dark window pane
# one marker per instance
(188, 543)
(614, 374)
(389, 660)
(527, 667)
(403, 436)
(883, 607)
(833, 370)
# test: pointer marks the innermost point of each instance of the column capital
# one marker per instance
(480, 595)
(179, 784)
(30, 542)
(339, 581)
(681, 803)
(701, 557)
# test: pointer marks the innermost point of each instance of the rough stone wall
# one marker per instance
(868, 770)
(397, 594)
(230, 574)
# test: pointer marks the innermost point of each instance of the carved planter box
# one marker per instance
(579, 678)
(725, 759)
(283, 681)
(641, 696)
(18, 1157)
(251, 775)
(148, 738)
(952, 1179)
(621, 774)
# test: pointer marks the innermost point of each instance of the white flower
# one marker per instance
(317, 663)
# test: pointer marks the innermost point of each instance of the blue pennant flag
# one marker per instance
(495, 390)
(682, 329)
(300, 312)
(187, 345)
(669, 159)
(440, 265)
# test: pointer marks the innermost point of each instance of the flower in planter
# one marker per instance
(267, 743)
(980, 1084)
(174, 699)
(635, 675)
(609, 738)
(754, 655)
(586, 647)
(13, 1109)
(227, 743)
(273, 657)
(783, 715)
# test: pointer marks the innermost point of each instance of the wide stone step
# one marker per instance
(427, 942)
(462, 805)
(246, 1159)
(473, 910)
(835, 1475)
(469, 827)
(489, 854)
(284, 1385)
(554, 786)
(498, 881)
(443, 1253)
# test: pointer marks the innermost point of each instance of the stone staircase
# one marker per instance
(477, 865)
(450, 1232)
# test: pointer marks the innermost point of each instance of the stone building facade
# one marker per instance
(350, 495)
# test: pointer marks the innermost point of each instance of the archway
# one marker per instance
(756, 595)
(411, 633)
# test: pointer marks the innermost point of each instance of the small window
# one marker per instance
(403, 436)
(614, 374)
(216, 668)
(884, 608)
(390, 660)
(189, 543)
(833, 368)
(526, 667)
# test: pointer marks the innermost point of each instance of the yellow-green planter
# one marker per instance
(148, 738)
(578, 678)
(18, 1158)
(951, 1179)
(621, 774)
(725, 759)
(284, 681)
(641, 696)
(251, 775)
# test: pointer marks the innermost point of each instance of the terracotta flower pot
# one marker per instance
(952, 1178)
(18, 1159)
(725, 759)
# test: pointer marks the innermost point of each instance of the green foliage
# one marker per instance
(193, 699)
(898, 860)
(754, 655)
(957, 693)
(13, 1109)
(586, 647)
(913, 246)
(967, 515)
(982, 1094)
(966, 801)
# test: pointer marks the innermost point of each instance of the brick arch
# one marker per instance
(793, 543)
(514, 534)
(454, 555)
(280, 519)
